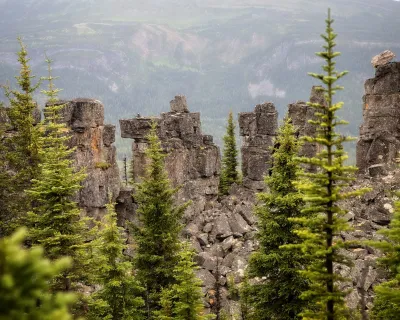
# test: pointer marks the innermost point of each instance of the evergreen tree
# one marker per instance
(387, 301)
(23, 145)
(25, 277)
(229, 173)
(320, 228)
(183, 299)
(5, 178)
(119, 297)
(277, 296)
(241, 292)
(156, 236)
(55, 221)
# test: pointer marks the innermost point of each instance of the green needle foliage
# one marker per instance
(229, 173)
(157, 236)
(323, 222)
(277, 296)
(120, 295)
(183, 299)
(25, 277)
(6, 197)
(23, 145)
(387, 301)
(55, 221)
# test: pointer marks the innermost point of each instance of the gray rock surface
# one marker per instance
(379, 142)
(179, 105)
(222, 230)
(383, 58)
(193, 160)
(258, 129)
(94, 152)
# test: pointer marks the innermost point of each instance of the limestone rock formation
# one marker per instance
(179, 105)
(300, 113)
(94, 151)
(193, 160)
(379, 143)
(383, 58)
(222, 230)
(258, 130)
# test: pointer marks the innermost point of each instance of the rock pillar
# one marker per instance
(193, 160)
(94, 151)
(379, 143)
(258, 130)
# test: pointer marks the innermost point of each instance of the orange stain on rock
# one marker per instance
(95, 144)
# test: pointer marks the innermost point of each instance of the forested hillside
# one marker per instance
(230, 55)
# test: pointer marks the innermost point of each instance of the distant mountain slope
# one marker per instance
(224, 55)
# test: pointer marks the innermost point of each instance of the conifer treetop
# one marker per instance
(25, 277)
(229, 172)
(278, 295)
(323, 190)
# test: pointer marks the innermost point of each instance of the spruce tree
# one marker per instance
(25, 277)
(55, 221)
(320, 228)
(119, 297)
(276, 295)
(23, 145)
(156, 237)
(229, 173)
(6, 196)
(387, 300)
(183, 299)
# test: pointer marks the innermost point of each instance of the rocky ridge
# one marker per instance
(222, 230)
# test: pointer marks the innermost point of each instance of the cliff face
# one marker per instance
(379, 143)
(192, 161)
(258, 130)
(93, 142)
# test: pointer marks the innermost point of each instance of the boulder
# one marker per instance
(383, 58)
(179, 105)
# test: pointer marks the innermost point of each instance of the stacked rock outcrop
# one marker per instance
(222, 229)
(94, 151)
(93, 142)
(379, 143)
(300, 113)
(258, 130)
(193, 160)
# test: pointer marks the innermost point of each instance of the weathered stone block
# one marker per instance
(84, 113)
(137, 128)
(208, 161)
(108, 135)
(383, 58)
(267, 119)
(179, 105)
(258, 130)
(208, 139)
(255, 162)
(247, 123)
(386, 80)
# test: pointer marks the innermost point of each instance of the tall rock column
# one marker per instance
(258, 130)
(93, 142)
(193, 160)
(300, 113)
(379, 143)
(94, 151)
